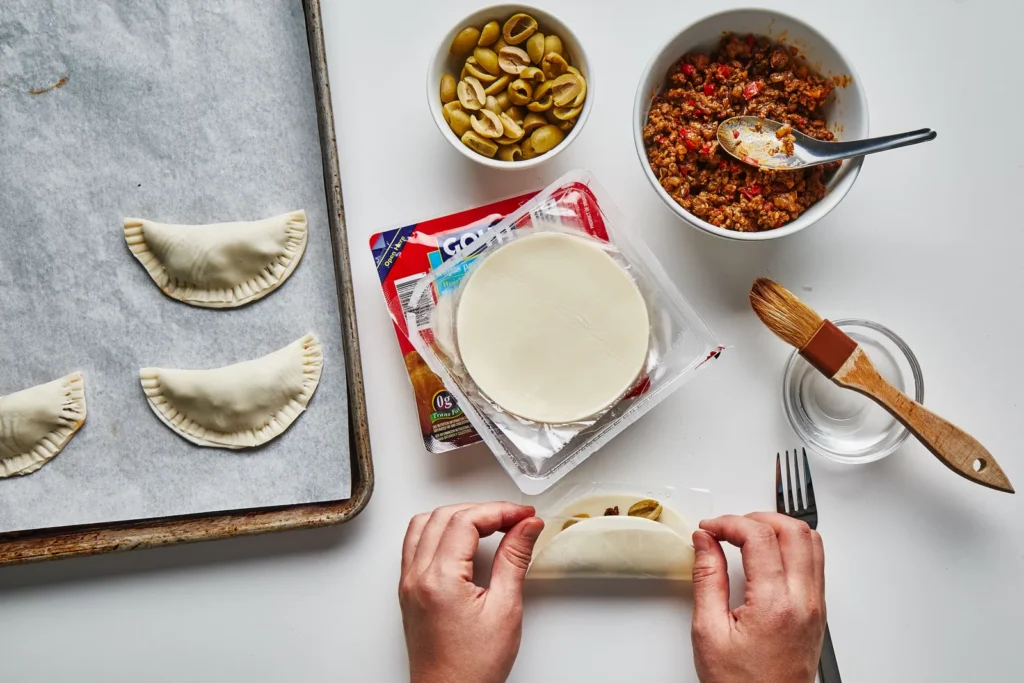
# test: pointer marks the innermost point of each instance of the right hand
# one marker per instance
(775, 636)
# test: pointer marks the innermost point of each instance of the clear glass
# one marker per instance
(841, 424)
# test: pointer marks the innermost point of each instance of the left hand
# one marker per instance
(456, 631)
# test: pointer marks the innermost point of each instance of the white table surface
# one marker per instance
(925, 571)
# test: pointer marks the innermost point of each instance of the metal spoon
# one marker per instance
(753, 140)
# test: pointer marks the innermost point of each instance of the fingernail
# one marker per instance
(532, 529)
(701, 542)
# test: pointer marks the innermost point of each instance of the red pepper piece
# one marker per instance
(688, 69)
(751, 89)
(691, 103)
(750, 39)
(709, 89)
(690, 144)
(750, 191)
(751, 160)
(735, 134)
(724, 71)
(706, 149)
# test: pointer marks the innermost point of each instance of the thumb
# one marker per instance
(512, 558)
(710, 583)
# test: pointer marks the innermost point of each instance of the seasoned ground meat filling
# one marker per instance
(745, 77)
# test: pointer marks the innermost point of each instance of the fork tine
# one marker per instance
(807, 481)
(780, 500)
(789, 482)
(796, 479)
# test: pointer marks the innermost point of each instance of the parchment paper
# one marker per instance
(183, 112)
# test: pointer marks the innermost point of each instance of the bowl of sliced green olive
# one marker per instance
(510, 86)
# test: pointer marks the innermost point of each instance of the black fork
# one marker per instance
(828, 668)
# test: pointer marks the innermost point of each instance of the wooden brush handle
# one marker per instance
(957, 449)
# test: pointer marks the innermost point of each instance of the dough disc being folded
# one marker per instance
(221, 265)
(552, 329)
(615, 547)
(36, 423)
(237, 406)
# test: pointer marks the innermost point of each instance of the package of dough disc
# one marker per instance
(617, 530)
(556, 329)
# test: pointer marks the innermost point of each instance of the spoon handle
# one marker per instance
(834, 151)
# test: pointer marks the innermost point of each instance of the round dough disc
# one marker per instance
(552, 329)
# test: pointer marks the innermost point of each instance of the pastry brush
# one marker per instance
(845, 362)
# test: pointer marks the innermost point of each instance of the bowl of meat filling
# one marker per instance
(746, 62)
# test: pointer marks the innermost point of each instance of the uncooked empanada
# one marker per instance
(595, 537)
(237, 406)
(36, 423)
(220, 265)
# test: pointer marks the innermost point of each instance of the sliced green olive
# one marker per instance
(535, 47)
(553, 65)
(583, 82)
(566, 126)
(472, 68)
(471, 94)
(520, 91)
(498, 86)
(545, 138)
(488, 59)
(566, 113)
(564, 89)
(542, 100)
(576, 518)
(513, 60)
(460, 122)
(488, 125)
(518, 28)
(500, 43)
(492, 104)
(510, 153)
(503, 101)
(528, 151)
(647, 508)
(510, 129)
(553, 44)
(465, 41)
(490, 33)
(532, 73)
(515, 113)
(447, 88)
(532, 122)
(478, 144)
(446, 110)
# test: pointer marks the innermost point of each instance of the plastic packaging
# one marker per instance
(536, 454)
(403, 256)
(610, 530)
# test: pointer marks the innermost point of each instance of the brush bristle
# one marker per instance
(784, 314)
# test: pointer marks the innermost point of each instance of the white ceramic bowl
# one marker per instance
(846, 112)
(442, 62)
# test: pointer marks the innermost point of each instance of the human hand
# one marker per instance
(456, 631)
(775, 636)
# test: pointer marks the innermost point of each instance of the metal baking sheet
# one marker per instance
(183, 112)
